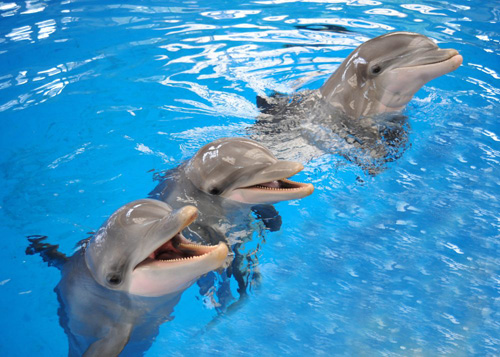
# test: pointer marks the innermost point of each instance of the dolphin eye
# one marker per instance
(376, 69)
(114, 279)
(214, 191)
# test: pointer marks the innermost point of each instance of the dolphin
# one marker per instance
(227, 177)
(242, 170)
(228, 180)
(357, 112)
(383, 74)
(125, 281)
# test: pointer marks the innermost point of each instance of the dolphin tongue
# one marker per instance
(271, 184)
(169, 251)
(178, 248)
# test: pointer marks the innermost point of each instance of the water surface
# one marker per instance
(95, 98)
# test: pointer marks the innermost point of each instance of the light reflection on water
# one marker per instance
(92, 97)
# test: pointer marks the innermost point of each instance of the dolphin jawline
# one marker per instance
(282, 185)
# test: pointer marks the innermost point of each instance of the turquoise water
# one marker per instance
(97, 97)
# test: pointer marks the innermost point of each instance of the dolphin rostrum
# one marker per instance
(242, 170)
(127, 279)
(357, 112)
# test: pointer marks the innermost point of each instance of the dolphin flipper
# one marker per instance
(167, 180)
(112, 344)
(48, 252)
(272, 104)
(269, 216)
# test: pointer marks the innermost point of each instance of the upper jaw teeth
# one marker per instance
(180, 248)
(281, 185)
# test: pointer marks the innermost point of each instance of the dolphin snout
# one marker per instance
(187, 214)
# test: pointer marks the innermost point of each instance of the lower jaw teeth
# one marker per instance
(178, 259)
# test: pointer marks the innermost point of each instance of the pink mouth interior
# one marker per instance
(171, 250)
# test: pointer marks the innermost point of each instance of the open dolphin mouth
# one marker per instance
(177, 249)
(280, 185)
(171, 263)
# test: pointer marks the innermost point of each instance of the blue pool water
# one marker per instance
(97, 97)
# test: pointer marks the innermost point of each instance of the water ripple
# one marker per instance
(423, 9)
(41, 93)
(403, 263)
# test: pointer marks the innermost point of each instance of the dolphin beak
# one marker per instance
(399, 85)
(187, 214)
(434, 63)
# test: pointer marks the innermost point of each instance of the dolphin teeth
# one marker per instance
(281, 183)
(185, 258)
(179, 249)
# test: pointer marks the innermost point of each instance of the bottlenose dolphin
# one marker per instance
(227, 180)
(357, 111)
(383, 74)
(128, 277)
(226, 176)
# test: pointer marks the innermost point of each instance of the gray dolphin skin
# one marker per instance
(125, 282)
(227, 180)
(357, 112)
(383, 74)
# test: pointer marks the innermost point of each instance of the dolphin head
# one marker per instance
(384, 73)
(140, 250)
(242, 170)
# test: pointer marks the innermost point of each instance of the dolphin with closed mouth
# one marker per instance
(227, 180)
(383, 74)
(357, 112)
(118, 288)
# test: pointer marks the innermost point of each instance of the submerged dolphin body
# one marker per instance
(226, 180)
(356, 113)
(126, 281)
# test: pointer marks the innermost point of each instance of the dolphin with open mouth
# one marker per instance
(243, 170)
(357, 112)
(227, 180)
(119, 287)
